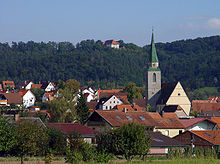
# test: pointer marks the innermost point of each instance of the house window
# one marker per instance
(180, 131)
(154, 77)
(178, 94)
(166, 132)
(106, 107)
(114, 101)
(110, 102)
(110, 107)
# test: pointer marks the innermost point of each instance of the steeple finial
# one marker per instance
(153, 56)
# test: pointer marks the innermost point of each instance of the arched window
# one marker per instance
(154, 77)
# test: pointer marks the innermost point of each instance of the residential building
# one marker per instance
(205, 105)
(109, 103)
(201, 138)
(168, 124)
(199, 124)
(112, 44)
(8, 85)
(70, 128)
(28, 97)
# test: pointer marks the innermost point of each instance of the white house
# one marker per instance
(112, 44)
(28, 86)
(28, 98)
(109, 103)
(48, 87)
(89, 94)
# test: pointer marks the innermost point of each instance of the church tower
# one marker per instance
(153, 77)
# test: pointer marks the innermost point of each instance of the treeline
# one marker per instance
(193, 62)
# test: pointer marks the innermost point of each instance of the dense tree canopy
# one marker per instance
(193, 62)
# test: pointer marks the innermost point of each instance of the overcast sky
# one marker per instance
(128, 20)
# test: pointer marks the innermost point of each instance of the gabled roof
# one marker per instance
(160, 140)
(11, 83)
(140, 102)
(36, 86)
(107, 92)
(13, 97)
(118, 118)
(212, 136)
(128, 107)
(22, 92)
(187, 123)
(110, 42)
(148, 119)
(216, 120)
(92, 104)
(1, 87)
(167, 121)
(166, 91)
(205, 105)
(68, 128)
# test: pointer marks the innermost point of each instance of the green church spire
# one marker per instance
(153, 56)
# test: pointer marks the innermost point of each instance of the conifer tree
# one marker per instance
(82, 109)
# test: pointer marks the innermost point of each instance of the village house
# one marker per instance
(109, 103)
(160, 144)
(12, 98)
(201, 106)
(168, 124)
(49, 96)
(70, 128)
(26, 84)
(199, 124)
(201, 138)
(112, 44)
(8, 85)
(28, 98)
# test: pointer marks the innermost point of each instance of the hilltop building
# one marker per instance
(169, 94)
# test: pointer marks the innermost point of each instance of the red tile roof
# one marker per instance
(205, 105)
(140, 102)
(107, 42)
(212, 136)
(1, 87)
(187, 123)
(36, 85)
(216, 120)
(149, 119)
(92, 104)
(128, 108)
(8, 84)
(22, 92)
(111, 92)
(68, 128)
(13, 97)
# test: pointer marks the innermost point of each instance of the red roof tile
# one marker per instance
(149, 119)
(216, 120)
(212, 136)
(36, 85)
(68, 128)
(8, 84)
(205, 105)
(22, 92)
(107, 42)
(13, 97)
(187, 123)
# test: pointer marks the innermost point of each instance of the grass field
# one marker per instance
(184, 161)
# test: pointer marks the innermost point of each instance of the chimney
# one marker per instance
(125, 110)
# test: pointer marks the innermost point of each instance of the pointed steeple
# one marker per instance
(153, 55)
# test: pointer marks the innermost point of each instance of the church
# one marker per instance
(167, 97)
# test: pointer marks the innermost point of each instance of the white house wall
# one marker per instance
(28, 99)
(111, 103)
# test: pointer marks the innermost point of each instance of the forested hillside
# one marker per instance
(193, 62)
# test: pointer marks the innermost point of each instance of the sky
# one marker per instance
(128, 20)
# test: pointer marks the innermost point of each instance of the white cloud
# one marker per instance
(213, 23)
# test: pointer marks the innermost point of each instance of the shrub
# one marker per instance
(103, 157)
(73, 157)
